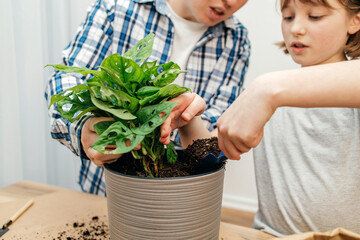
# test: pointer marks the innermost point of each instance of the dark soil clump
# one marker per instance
(184, 166)
(94, 229)
(200, 148)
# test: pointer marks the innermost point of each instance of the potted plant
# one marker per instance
(141, 203)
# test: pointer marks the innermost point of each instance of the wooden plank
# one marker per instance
(247, 233)
(25, 190)
(54, 214)
(237, 217)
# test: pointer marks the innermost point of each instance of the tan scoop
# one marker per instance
(5, 228)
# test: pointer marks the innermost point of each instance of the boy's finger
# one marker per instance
(165, 128)
(100, 156)
(138, 147)
(196, 108)
(165, 140)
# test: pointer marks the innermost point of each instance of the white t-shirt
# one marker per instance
(308, 171)
(187, 34)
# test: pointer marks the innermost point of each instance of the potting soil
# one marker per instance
(185, 166)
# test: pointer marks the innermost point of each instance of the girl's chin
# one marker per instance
(301, 61)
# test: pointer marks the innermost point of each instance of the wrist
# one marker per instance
(270, 90)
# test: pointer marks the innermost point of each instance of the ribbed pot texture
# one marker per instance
(164, 208)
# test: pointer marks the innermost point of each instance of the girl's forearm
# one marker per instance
(328, 85)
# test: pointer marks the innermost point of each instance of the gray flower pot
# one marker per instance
(164, 208)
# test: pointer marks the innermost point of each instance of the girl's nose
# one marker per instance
(298, 27)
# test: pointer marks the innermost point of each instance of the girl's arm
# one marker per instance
(240, 128)
(328, 85)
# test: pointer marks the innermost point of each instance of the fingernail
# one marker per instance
(186, 116)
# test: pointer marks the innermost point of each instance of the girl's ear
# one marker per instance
(354, 24)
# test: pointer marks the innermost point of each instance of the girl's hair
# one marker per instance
(352, 48)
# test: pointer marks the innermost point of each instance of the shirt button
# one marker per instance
(169, 34)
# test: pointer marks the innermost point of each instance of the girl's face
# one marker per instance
(315, 34)
(208, 12)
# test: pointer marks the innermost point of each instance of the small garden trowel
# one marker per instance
(5, 228)
(210, 162)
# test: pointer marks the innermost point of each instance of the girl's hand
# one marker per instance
(241, 126)
(190, 105)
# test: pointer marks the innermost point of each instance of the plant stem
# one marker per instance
(156, 168)
(146, 167)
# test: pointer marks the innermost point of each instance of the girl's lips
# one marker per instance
(298, 47)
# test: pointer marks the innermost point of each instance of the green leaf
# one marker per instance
(95, 81)
(149, 117)
(162, 75)
(126, 69)
(100, 127)
(102, 78)
(90, 109)
(66, 93)
(107, 107)
(142, 50)
(116, 97)
(171, 153)
(146, 66)
(99, 78)
(75, 103)
(167, 77)
(117, 134)
(172, 91)
(68, 69)
(165, 93)
(118, 79)
(147, 91)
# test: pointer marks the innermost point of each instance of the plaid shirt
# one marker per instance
(216, 66)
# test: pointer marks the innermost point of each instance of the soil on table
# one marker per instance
(94, 228)
(186, 164)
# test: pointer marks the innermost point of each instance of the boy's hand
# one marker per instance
(89, 136)
(190, 105)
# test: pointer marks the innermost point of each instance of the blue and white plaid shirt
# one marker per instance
(216, 66)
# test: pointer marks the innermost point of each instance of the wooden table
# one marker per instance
(59, 213)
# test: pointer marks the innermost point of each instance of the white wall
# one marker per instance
(33, 34)
(262, 19)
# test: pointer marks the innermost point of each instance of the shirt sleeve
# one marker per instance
(233, 65)
(88, 49)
